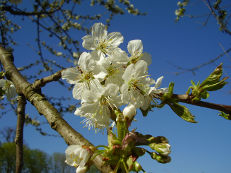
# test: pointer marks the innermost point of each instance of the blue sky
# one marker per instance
(196, 148)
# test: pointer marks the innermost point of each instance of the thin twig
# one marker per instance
(25, 13)
(203, 64)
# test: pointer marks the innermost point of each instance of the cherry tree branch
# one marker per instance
(19, 12)
(42, 82)
(36, 98)
(19, 133)
(220, 22)
(194, 69)
(187, 99)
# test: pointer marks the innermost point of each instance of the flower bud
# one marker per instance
(130, 162)
(81, 169)
(162, 148)
(129, 111)
(137, 167)
(160, 158)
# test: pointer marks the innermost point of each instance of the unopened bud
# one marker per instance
(137, 167)
(160, 158)
(130, 162)
(129, 111)
(162, 148)
(81, 169)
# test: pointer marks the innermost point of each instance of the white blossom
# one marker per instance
(156, 89)
(135, 48)
(97, 106)
(101, 41)
(136, 85)
(86, 76)
(77, 155)
(9, 89)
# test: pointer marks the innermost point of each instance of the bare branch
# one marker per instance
(193, 69)
(24, 13)
(19, 133)
(42, 82)
(220, 22)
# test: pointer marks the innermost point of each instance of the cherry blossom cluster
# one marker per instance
(107, 78)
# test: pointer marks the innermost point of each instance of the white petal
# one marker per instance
(129, 71)
(115, 39)
(135, 47)
(11, 92)
(88, 42)
(78, 91)
(118, 56)
(141, 68)
(99, 31)
(86, 62)
(100, 75)
(111, 90)
(71, 75)
(91, 95)
(147, 57)
(158, 82)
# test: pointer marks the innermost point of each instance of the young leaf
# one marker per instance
(224, 115)
(182, 112)
(214, 77)
(215, 86)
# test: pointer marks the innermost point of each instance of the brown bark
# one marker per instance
(19, 133)
(187, 99)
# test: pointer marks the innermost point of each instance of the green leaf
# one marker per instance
(224, 115)
(215, 86)
(182, 112)
(214, 77)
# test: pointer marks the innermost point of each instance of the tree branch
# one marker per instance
(19, 133)
(220, 22)
(42, 82)
(187, 99)
(193, 69)
(45, 108)
(24, 13)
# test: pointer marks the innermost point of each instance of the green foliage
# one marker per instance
(224, 115)
(182, 112)
(212, 83)
(35, 161)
